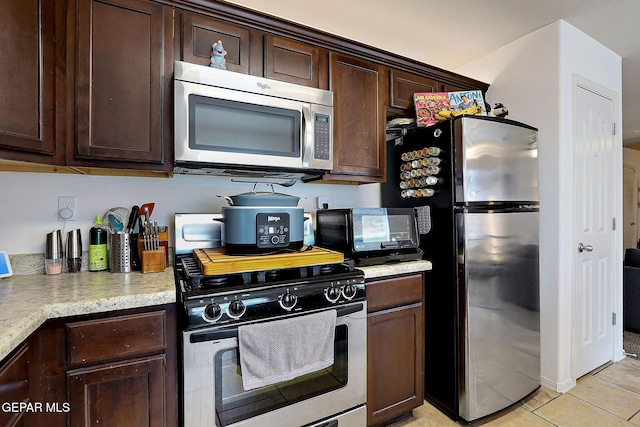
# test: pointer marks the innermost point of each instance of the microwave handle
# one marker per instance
(307, 134)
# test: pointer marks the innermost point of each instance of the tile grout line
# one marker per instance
(622, 386)
(636, 413)
(596, 406)
(544, 404)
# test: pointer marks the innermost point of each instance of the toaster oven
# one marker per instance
(370, 236)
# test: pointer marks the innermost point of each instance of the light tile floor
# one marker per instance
(608, 396)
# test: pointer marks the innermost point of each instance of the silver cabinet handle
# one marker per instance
(583, 248)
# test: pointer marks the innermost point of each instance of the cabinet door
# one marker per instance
(404, 85)
(28, 74)
(14, 386)
(296, 62)
(394, 363)
(123, 47)
(360, 96)
(198, 33)
(130, 393)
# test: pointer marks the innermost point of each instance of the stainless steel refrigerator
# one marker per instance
(474, 182)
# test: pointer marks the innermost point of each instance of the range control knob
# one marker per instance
(288, 301)
(236, 309)
(349, 291)
(332, 294)
(212, 312)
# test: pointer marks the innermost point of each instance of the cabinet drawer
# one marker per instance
(116, 337)
(394, 291)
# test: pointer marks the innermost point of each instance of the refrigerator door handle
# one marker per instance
(584, 248)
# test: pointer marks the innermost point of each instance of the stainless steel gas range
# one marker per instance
(218, 309)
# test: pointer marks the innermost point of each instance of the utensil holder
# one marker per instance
(153, 261)
(121, 253)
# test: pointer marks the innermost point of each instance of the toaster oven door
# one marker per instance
(384, 229)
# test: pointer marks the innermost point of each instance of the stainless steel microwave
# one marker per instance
(227, 121)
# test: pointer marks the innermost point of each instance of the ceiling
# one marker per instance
(391, 25)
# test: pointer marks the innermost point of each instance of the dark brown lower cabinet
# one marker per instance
(14, 387)
(129, 393)
(395, 352)
(108, 369)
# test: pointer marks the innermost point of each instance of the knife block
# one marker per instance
(153, 261)
(163, 237)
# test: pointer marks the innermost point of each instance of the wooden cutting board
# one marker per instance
(215, 261)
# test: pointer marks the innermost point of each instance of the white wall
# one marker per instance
(631, 157)
(30, 201)
(533, 78)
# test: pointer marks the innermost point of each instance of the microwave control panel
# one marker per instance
(272, 230)
(321, 137)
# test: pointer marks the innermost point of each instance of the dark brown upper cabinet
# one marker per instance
(295, 62)
(31, 77)
(122, 80)
(360, 97)
(402, 87)
(199, 32)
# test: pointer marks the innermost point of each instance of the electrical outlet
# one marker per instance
(324, 202)
(66, 208)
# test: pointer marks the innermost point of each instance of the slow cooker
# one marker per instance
(262, 223)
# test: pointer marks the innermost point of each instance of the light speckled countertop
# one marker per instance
(376, 271)
(26, 302)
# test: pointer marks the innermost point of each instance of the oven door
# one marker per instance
(212, 384)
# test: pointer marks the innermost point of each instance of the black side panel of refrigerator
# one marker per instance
(442, 360)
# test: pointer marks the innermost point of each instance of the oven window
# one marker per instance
(232, 126)
(233, 404)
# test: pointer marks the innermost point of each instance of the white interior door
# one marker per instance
(595, 201)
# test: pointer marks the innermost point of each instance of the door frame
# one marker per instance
(616, 280)
(634, 203)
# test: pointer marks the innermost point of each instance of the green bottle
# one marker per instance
(98, 247)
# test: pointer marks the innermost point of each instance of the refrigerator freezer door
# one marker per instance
(498, 253)
(496, 161)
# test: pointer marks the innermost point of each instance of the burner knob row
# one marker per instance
(212, 312)
(333, 293)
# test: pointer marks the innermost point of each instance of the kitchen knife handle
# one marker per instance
(132, 219)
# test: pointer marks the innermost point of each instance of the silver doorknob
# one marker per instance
(583, 248)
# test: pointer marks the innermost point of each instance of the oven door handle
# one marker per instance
(333, 423)
(233, 332)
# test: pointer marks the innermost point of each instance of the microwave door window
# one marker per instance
(238, 127)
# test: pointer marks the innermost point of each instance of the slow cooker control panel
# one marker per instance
(272, 230)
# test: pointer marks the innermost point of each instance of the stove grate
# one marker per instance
(192, 274)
